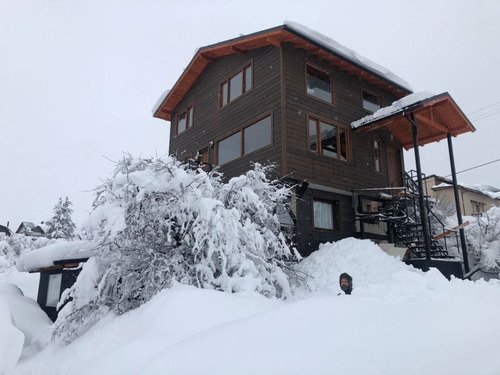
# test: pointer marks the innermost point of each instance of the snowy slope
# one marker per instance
(397, 321)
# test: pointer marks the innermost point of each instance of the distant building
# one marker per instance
(6, 230)
(29, 229)
(474, 199)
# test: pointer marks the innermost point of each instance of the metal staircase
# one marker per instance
(400, 210)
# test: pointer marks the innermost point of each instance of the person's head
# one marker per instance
(345, 281)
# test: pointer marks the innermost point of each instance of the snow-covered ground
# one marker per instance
(398, 320)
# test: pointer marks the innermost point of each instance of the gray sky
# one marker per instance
(78, 79)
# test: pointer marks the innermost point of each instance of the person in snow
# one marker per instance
(345, 281)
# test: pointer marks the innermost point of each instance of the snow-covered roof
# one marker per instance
(62, 250)
(487, 190)
(395, 107)
(159, 101)
(347, 53)
(290, 32)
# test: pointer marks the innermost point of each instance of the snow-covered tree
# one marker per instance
(61, 225)
(162, 222)
(484, 236)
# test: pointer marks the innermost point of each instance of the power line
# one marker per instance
(477, 166)
(488, 106)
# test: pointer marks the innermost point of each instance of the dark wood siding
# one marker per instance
(212, 123)
(359, 171)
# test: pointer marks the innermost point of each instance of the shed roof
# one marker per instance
(301, 37)
(436, 116)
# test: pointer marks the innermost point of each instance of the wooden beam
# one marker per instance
(430, 122)
(274, 41)
(238, 50)
(205, 57)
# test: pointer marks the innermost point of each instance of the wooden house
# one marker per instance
(30, 229)
(288, 95)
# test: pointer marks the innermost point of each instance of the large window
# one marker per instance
(247, 140)
(237, 85)
(319, 84)
(184, 120)
(326, 214)
(370, 102)
(328, 139)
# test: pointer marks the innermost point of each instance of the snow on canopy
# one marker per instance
(61, 250)
(349, 54)
(396, 106)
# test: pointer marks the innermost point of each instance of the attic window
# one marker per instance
(370, 102)
(184, 120)
(236, 85)
(319, 84)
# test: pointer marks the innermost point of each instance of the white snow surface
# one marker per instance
(393, 108)
(348, 53)
(61, 250)
(398, 320)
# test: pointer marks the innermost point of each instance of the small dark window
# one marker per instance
(370, 102)
(319, 84)
(236, 86)
(328, 139)
(326, 214)
(184, 120)
(247, 140)
(377, 155)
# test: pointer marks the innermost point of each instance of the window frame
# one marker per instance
(319, 150)
(189, 112)
(241, 131)
(332, 86)
(369, 92)
(244, 86)
(378, 150)
(336, 211)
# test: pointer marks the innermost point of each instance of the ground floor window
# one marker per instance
(326, 214)
(53, 290)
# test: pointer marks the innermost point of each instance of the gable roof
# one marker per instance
(290, 32)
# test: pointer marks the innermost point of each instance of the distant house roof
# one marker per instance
(487, 190)
(56, 254)
(290, 32)
(6, 230)
(436, 116)
(31, 229)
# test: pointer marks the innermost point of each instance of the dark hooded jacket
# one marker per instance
(347, 290)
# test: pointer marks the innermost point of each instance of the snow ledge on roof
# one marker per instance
(62, 250)
(393, 108)
(348, 54)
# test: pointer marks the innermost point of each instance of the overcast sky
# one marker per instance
(78, 79)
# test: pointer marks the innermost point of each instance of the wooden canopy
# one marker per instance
(435, 117)
(274, 36)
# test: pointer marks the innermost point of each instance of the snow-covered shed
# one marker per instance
(59, 265)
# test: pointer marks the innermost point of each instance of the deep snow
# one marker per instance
(397, 321)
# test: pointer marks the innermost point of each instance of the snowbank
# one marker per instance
(22, 322)
(397, 321)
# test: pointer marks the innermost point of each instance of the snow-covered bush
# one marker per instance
(11, 247)
(61, 225)
(162, 222)
(484, 235)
